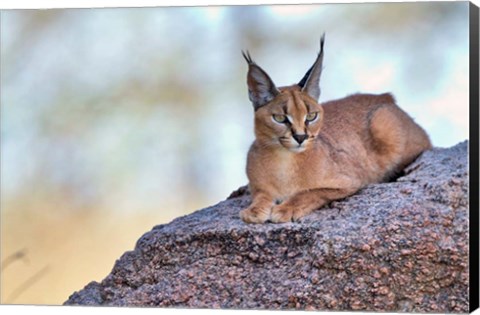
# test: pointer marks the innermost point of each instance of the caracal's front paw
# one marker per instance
(284, 213)
(281, 214)
(255, 215)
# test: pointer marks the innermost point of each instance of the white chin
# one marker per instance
(297, 149)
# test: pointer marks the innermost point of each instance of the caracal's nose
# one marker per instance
(299, 138)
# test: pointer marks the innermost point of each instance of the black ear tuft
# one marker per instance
(322, 42)
(247, 57)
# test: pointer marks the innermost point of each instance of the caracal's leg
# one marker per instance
(303, 203)
(259, 210)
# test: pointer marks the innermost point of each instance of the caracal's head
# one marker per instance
(286, 117)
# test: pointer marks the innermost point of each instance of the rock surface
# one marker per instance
(399, 246)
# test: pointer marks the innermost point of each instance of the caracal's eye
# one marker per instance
(311, 116)
(280, 118)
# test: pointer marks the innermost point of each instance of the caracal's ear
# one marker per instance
(261, 88)
(310, 83)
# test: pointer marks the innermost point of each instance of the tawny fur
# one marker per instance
(354, 141)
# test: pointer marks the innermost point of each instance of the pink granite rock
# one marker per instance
(398, 246)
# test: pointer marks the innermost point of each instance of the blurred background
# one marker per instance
(116, 120)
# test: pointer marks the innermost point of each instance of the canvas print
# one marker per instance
(282, 157)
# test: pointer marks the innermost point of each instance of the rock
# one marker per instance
(398, 246)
